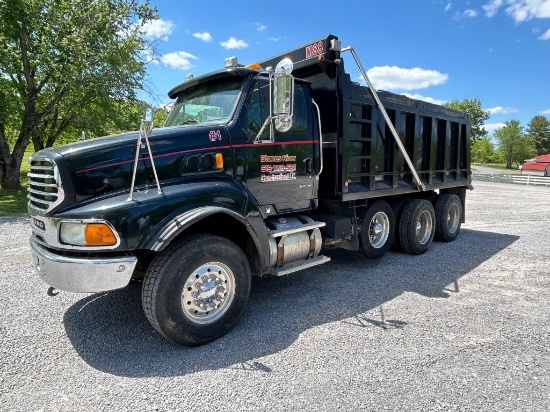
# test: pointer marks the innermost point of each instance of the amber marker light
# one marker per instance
(219, 161)
(254, 66)
(99, 234)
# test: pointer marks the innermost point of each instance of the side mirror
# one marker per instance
(283, 95)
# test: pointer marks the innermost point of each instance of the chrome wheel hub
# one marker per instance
(453, 219)
(424, 227)
(379, 230)
(208, 293)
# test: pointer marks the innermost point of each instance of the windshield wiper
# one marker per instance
(191, 120)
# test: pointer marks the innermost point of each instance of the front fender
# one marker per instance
(162, 237)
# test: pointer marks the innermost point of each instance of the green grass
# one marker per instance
(14, 202)
(501, 166)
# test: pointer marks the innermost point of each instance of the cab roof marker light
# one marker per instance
(231, 62)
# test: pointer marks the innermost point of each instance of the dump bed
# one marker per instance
(361, 157)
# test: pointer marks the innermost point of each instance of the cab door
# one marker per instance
(280, 174)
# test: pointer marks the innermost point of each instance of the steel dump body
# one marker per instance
(361, 157)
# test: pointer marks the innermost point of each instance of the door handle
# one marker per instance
(308, 163)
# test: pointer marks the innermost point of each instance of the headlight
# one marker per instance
(86, 234)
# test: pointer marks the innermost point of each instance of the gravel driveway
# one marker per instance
(463, 327)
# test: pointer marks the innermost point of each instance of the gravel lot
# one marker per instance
(463, 327)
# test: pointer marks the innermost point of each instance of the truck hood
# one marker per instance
(102, 165)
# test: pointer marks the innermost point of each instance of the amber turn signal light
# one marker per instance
(219, 161)
(99, 234)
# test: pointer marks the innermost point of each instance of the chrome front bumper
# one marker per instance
(80, 274)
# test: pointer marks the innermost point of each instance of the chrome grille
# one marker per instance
(45, 188)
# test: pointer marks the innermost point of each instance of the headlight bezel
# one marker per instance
(79, 234)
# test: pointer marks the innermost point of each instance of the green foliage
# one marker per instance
(482, 150)
(513, 145)
(477, 116)
(539, 130)
(66, 66)
(14, 202)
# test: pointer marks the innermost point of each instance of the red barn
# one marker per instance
(538, 166)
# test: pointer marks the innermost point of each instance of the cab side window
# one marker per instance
(299, 118)
(258, 108)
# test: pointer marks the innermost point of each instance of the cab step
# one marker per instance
(300, 265)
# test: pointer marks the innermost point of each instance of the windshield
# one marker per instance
(210, 103)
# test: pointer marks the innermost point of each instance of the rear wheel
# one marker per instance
(448, 211)
(417, 226)
(377, 230)
(196, 289)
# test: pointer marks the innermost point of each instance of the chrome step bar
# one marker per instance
(300, 265)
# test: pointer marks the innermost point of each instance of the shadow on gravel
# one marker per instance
(110, 331)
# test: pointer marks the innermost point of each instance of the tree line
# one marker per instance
(67, 66)
(511, 144)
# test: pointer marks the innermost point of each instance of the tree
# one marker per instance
(482, 150)
(477, 116)
(539, 129)
(62, 59)
(513, 146)
(526, 149)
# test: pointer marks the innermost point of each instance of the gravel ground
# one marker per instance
(463, 327)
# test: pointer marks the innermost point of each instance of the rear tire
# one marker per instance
(196, 289)
(377, 230)
(397, 211)
(448, 211)
(417, 226)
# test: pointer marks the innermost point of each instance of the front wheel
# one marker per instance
(196, 289)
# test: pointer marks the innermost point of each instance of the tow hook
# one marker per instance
(52, 291)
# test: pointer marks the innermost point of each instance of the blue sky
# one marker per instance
(494, 50)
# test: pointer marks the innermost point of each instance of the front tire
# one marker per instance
(196, 289)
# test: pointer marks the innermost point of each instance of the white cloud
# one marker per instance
(448, 7)
(158, 29)
(260, 26)
(492, 7)
(233, 43)
(276, 39)
(178, 60)
(491, 127)
(417, 96)
(520, 10)
(523, 10)
(466, 14)
(204, 36)
(501, 110)
(545, 112)
(397, 78)
(545, 36)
